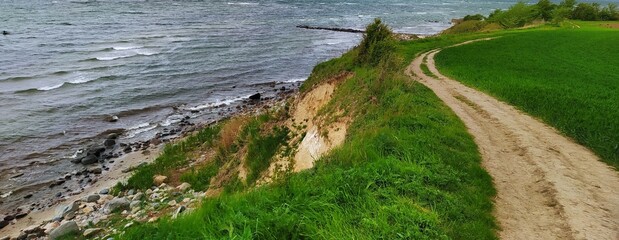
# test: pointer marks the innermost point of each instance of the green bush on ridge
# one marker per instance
(521, 14)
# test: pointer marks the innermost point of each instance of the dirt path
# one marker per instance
(548, 187)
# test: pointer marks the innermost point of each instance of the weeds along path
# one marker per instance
(548, 187)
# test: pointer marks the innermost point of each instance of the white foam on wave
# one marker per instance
(295, 80)
(141, 125)
(78, 80)
(243, 3)
(126, 47)
(47, 88)
(171, 120)
(217, 103)
(140, 128)
(127, 54)
(6, 194)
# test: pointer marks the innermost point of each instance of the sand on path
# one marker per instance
(548, 186)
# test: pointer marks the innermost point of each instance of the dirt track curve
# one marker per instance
(548, 187)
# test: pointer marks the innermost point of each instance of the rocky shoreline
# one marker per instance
(104, 164)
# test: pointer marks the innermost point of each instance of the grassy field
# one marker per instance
(568, 77)
(408, 169)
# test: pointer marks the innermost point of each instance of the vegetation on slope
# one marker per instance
(568, 77)
(407, 170)
(522, 14)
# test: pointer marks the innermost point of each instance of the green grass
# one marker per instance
(569, 78)
(407, 170)
(173, 156)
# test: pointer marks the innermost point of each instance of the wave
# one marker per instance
(243, 3)
(295, 80)
(126, 47)
(140, 128)
(217, 103)
(78, 80)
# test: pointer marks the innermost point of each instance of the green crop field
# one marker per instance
(567, 77)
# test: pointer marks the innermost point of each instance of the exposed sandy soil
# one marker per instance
(548, 187)
(108, 180)
(319, 138)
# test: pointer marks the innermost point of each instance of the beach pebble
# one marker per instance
(104, 191)
(91, 232)
(134, 204)
(116, 204)
(138, 196)
(3, 223)
(128, 225)
(95, 170)
(64, 229)
(183, 187)
(159, 179)
(92, 198)
(178, 211)
(50, 226)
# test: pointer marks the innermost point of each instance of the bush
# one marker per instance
(609, 13)
(377, 43)
(586, 12)
(467, 27)
(478, 17)
(517, 15)
(545, 8)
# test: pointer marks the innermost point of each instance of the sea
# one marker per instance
(68, 66)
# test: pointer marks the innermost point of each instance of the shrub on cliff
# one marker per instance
(377, 43)
(517, 15)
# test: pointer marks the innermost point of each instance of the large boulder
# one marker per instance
(116, 204)
(66, 211)
(89, 159)
(109, 143)
(255, 97)
(64, 229)
(92, 198)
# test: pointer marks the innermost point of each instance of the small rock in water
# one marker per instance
(112, 118)
(113, 136)
(109, 142)
(90, 159)
(255, 96)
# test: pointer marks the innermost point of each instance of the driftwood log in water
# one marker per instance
(350, 30)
